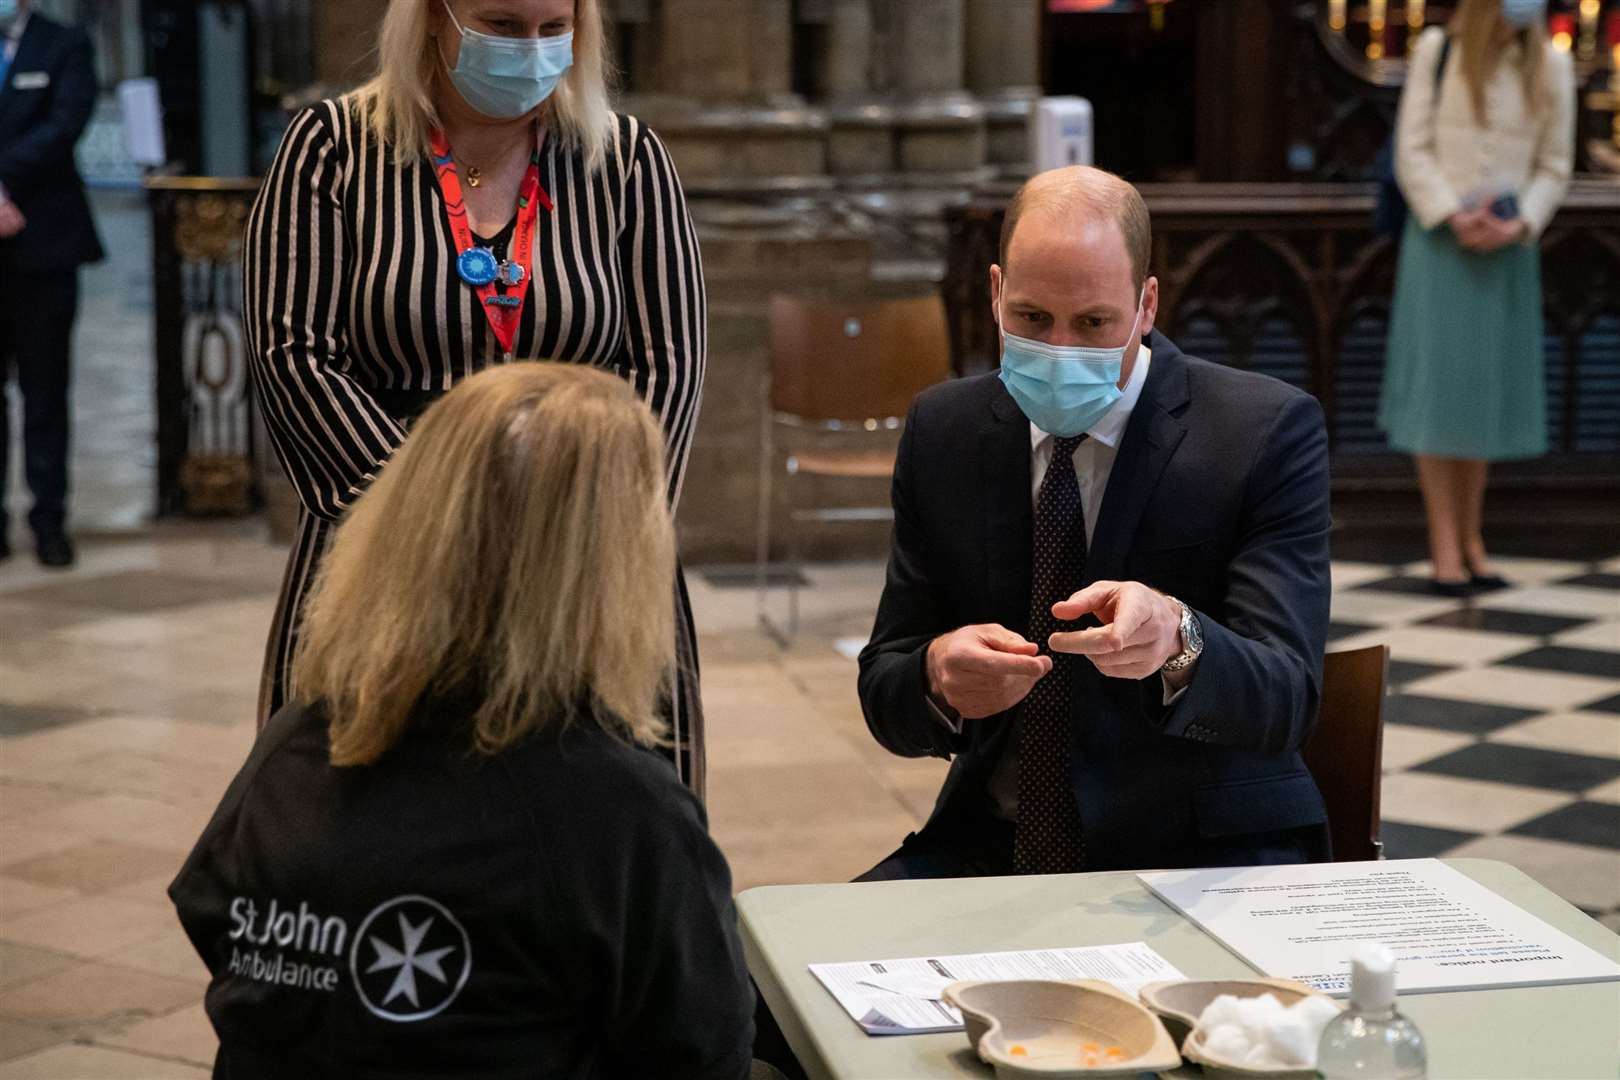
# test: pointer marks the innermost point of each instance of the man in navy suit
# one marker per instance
(1107, 595)
(47, 92)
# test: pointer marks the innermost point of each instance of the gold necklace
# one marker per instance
(474, 173)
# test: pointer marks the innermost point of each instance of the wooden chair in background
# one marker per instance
(1346, 752)
(840, 371)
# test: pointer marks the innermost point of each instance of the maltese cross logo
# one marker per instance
(410, 959)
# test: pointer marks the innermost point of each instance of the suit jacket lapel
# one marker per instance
(1150, 441)
(1006, 519)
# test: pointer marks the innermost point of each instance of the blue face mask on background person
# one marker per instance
(1064, 389)
(1523, 13)
(8, 12)
(506, 77)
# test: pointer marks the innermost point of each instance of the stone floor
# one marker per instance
(127, 694)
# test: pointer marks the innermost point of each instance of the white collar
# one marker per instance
(1111, 428)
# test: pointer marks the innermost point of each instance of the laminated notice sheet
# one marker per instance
(1448, 932)
(902, 997)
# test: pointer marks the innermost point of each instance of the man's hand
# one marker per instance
(983, 670)
(12, 221)
(1141, 628)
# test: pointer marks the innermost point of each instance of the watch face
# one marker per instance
(1192, 637)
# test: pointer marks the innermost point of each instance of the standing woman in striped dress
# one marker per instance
(476, 202)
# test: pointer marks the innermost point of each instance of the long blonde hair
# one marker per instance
(397, 102)
(516, 551)
(1476, 27)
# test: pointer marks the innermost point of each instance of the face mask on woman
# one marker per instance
(506, 77)
(1524, 13)
(8, 12)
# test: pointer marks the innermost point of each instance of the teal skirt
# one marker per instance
(1464, 372)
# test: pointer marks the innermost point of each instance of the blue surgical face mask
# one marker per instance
(8, 12)
(1065, 389)
(1523, 13)
(503, 77)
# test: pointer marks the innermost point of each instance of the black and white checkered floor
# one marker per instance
(1502, 733)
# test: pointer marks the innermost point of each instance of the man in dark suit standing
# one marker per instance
(1108, 591)
(47, 92)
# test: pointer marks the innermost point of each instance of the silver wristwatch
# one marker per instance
(1192, 641)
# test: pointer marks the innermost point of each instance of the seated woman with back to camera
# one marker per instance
(455, 853)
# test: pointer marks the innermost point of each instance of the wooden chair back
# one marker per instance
(853, 362)
(1345, 754)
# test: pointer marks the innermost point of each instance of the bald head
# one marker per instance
(1087, 194)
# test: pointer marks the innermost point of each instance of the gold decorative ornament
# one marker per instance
(208, 227)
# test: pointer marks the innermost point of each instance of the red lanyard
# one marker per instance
(477, 265)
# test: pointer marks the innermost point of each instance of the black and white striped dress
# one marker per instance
(356, 319)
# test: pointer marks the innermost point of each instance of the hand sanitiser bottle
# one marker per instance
(1370, 1040)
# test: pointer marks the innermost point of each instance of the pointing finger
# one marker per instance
(1090, 598)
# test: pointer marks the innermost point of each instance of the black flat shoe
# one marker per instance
(1488, 581)
(55, 551)
(1456, 590)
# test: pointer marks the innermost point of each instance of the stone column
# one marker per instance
(725, 50)
(753, 159)
(721, 95)
(770, 47)
(922, 45)
(919, 52)
(1003, 68)
(1002, 49)
(847, 66)
(860, 137)
(704, 49)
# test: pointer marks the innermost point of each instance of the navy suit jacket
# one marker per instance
(39, 124)
(1219, 497)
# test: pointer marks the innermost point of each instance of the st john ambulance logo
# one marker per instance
(410, 959)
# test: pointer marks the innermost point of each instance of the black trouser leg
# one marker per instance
(38, 336)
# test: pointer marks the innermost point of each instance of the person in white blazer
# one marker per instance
(1484, 148)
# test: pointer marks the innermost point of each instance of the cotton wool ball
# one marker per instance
(1226, 1041)
(1259, 1056)
(1291, 1039)
(1317, 1011)
(1225, 1009)
(1258, 1014)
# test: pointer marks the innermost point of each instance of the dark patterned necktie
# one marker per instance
(1048, 840)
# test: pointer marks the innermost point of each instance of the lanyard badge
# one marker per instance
(477, 264)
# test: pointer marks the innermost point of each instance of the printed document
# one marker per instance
(902, 997)
(1448, 932)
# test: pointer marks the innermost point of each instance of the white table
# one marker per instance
(1550, 1031)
